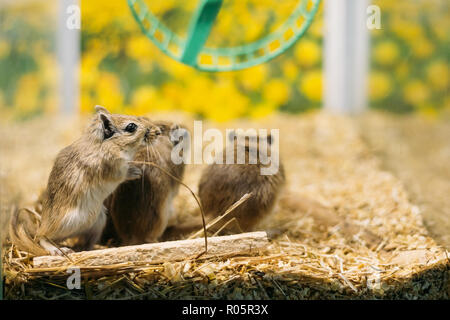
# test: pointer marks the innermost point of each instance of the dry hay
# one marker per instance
(344, 229)
(417, 151)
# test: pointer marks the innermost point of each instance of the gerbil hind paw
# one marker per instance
(134, 173)
(60, 251)
(53, 250)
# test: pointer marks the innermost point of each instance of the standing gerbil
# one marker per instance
(139, 210)
(221, 185)
(83, 175)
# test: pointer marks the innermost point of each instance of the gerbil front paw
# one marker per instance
(134, 173)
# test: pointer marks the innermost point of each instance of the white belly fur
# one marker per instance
(83, 217)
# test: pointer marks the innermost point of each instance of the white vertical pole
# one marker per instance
(68, 51)
(346, 56)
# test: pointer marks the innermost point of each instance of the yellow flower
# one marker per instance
(89, 69)
(428, 110)
(252, 78)
(48, 70)
(144, 99)
(86, 102)
(290, 70)
(253, 31)
(386, 53)
(380, 85)
(140, 48)
(163, 103)
(316, 28)
(224, 24)
(262, 109)
(415, 92)
(307, 53)
(441, 30)
(276, 91)
(225, 102)
(109, 93)
(172, 92)
(161, 7)
(91, 58)
(179, 70)
(98, 15)
(407, 30)
(27, 93)
(311, 85)
(437, 74)
(197, 94)
(422, 48)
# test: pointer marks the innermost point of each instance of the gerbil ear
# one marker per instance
(165, 127)
(174, 127)
(100, 109)
(107, 126)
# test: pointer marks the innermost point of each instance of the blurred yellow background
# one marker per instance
(123, 70)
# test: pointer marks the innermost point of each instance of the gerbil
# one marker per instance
(139, 210)
(221, 185)
(83, 175)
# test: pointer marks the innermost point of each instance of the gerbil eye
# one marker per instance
(131, 127)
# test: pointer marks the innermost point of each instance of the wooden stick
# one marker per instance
(153, 253)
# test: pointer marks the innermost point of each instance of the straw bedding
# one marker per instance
(417, 151)
(344, 227)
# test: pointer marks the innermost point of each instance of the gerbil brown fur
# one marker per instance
(139, 210)
(221, 185)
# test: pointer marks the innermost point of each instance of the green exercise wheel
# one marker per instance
(191, 50)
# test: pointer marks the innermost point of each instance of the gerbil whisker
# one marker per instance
(190, 190)
(147, 157)
(160, 157)
(158, 154)
(153, 150)
(154, 155)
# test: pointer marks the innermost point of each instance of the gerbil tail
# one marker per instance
(21, 237)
